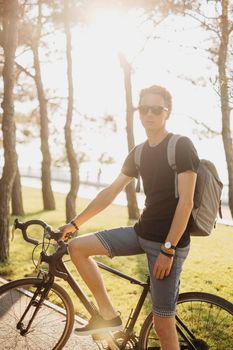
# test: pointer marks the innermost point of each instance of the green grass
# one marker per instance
(208, 268)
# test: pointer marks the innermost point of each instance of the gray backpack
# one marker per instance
(208, 190)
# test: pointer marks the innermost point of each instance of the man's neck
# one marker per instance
(154, 138)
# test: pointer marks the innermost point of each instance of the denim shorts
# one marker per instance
(124, 241)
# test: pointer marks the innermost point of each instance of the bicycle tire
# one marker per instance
(207, 316)
(52, 325)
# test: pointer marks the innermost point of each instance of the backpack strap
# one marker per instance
(137, 161)
(171, 157)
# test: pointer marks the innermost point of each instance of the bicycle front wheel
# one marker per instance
(31, 319)
(207, 323)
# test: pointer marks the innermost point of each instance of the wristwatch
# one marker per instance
(168, 249)
(168, 245)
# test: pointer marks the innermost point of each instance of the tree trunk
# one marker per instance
(74, 169)
(133, 210)
(224, 97)
(47, 193)
(10, 22)
(16, 196)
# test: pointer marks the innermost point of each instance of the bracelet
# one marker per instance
(74, 224)
(167, 254)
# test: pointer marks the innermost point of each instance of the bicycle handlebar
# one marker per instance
(48, 232)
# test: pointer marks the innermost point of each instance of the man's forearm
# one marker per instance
(103, 199)
(180, 221)
(99, 203)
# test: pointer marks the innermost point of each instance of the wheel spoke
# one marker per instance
(49, 327)
(209, 318)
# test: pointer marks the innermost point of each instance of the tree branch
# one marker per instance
(25, 70)
(22, 52)
(207, 26)
(148, 38)
(214, 132)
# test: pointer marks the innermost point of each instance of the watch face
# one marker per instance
(168, 245)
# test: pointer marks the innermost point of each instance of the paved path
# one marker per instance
(49, 313)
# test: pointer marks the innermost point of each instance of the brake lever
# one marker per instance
(47, 232)
(69, 235)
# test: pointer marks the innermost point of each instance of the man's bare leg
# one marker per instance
(81, 249)
(165, 328)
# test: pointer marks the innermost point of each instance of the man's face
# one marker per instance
(153, 112)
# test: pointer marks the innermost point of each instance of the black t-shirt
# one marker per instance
(159, 186)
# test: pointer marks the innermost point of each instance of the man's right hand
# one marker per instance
(66, 231)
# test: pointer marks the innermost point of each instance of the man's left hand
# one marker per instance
(162, 266)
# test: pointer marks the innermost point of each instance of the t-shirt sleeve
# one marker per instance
(186, 156)
(129, 167)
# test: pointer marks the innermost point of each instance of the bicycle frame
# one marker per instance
(63, 272)
(57, 268)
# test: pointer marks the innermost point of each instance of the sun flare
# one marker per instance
(114, 31)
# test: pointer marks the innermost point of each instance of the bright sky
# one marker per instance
(99, 87)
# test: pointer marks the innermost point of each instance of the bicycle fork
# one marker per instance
(41, 292)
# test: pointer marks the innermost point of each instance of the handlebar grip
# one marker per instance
(23, 227)
(49, 232)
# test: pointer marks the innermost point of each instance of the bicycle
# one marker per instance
(204, 321)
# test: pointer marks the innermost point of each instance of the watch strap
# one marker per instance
(169, 251)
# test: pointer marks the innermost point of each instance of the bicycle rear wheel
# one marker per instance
(53, 321)
(209, 322)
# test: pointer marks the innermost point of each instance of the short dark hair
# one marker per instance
(158, 90)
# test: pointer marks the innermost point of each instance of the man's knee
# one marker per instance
(85, 246)
(76, 247)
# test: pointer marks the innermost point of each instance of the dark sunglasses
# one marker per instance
(156, 110)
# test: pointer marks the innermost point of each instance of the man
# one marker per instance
(162, 231)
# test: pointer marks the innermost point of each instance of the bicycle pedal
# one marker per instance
(99, 336)
(118, 334)
(108, 338)
(103, 336)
